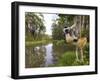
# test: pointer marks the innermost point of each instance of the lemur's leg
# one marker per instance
(77, 59)
(81, 54)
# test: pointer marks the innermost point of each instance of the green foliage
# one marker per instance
(36, 22)
(59, 42)
(86, 52)
(35, 43)
(67, 59)
(85, 33)
(57, 33)
(67, 19)
(35, 19)
(59, 24)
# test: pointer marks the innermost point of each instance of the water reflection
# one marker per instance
(35, 56)
(44, 55)
(49, 57)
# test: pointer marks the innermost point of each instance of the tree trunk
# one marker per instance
(77, 20)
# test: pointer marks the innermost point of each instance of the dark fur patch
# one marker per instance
(75, 40)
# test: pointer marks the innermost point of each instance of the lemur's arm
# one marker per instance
(74, 25)
(71, 27)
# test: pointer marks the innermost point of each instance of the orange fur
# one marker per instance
(82, 42)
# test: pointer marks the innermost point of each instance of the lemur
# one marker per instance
(80, 42)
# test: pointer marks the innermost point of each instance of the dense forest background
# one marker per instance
(35, 28)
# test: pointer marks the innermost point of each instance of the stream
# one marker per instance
(43, 55)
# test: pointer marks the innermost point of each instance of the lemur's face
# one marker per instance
(69, 36)
(67, 31)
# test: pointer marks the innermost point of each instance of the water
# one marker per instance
(49, 57)
(44, 55)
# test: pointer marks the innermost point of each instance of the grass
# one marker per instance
(69, 59)
(31, 43)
